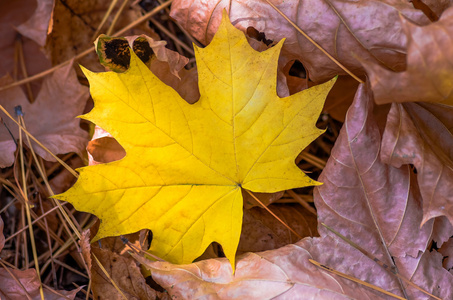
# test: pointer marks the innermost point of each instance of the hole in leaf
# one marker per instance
(259, 36)
(298, 70)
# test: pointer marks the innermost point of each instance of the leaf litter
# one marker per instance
(422, 123)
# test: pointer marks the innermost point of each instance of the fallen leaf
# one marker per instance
(421, 134)
(37, 26)
(447, 252)
(55, 128)
(124, 272)
(186, 164)
(368, 29)
(12, 14)
(357, 188)
(261, 231)
(429, 66)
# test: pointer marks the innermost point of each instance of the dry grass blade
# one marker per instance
(355, 279)
(302, 202)
(27, 208)
(172, 36)
(104, 19)
(117, 16)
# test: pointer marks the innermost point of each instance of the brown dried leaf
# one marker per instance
(261, 231)
(447, 252)
(10, 289)
(368, 29)
(37, 26)
(50, 119)
(124, 271)
(429, 66)
(357, 188)
(12, 14)
(421, 134)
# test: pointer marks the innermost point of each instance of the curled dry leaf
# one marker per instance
(57, 129)
(428, 76)
(347, 202)
(421, 134)
(368, 29)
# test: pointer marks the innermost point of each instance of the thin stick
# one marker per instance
(36, 220)
(275, 216)
(49, 242)
(378, 261)
(27, 208)
(314, 160)
(315, 43)
(106, 16)
(371, 286)
(172, 36)
(117, 16)
(144, 18)
(23, 68)
(138, 250)
(302, 202)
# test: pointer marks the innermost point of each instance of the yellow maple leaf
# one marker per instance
(186, 164)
